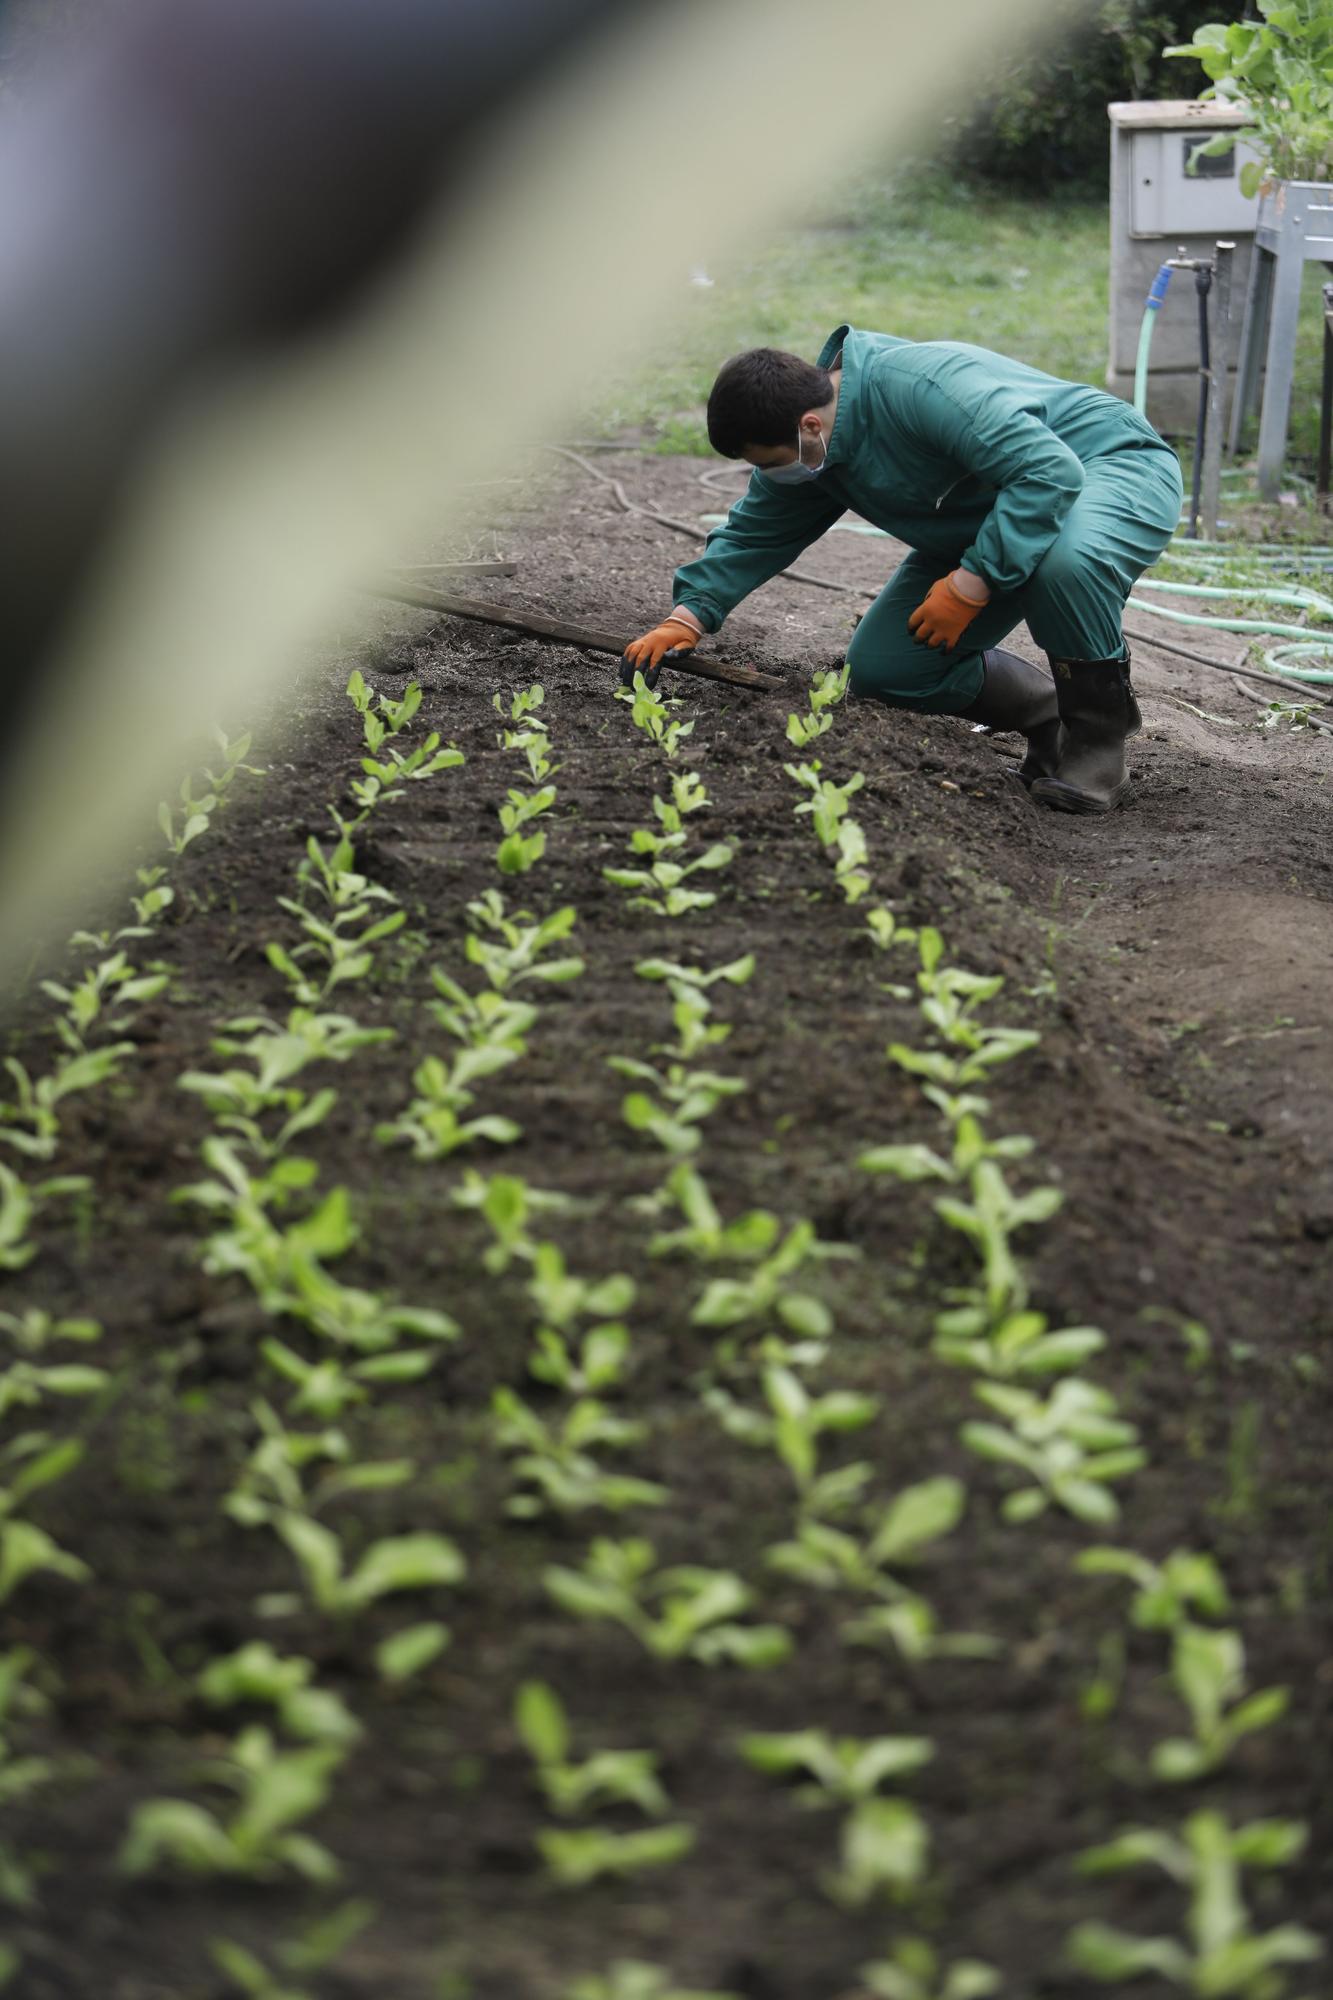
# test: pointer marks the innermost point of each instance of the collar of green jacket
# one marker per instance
(850, 350)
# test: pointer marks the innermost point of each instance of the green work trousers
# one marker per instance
(1119, 523)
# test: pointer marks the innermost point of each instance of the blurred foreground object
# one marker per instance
(279, 277)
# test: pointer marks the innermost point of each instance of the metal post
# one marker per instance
(1223, 258)
(1325, 401)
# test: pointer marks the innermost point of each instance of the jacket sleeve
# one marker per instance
(988, 429)
(765, 531)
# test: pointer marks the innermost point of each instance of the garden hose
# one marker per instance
(1152, 306)
(1307, 656)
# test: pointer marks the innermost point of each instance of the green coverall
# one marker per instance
(1057, 494)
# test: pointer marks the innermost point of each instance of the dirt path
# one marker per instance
(1176, 959)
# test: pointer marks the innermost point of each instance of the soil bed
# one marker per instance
(1176, 960)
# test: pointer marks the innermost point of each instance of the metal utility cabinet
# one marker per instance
(1157, 207)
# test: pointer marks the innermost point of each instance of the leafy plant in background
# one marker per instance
(1208, 1673)
(508, 1205)
(256, 1673)
(893, 1535)
(432, 1123)
(885, 1843)
(277, 1789)
(915, 1971)
(661, 885)
(690, 987)
(1222, 1955)
(510, 949)
(29, 1463)
(1072, 1445)
(792, 1429)
(101, 997)
(28, 1380)
(298, 1958)
(651, 712)
(195, 816)
(576, 1856)
(393, 1564)
(608, 1777)
(703, 1234)
(765, 1291)
(680, 1613)
(826, 691)
(1279, 70)
(238, 1100)
(343, 941)
(559, 1462)
(1166, 1594)
(20, 1776)
(635, 1979)
(20, 1203)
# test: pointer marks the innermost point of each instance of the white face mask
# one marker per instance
(793, 474)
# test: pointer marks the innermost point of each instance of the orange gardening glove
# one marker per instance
(944, 616)
(646, 654)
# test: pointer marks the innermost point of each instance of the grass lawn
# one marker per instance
(923, 257)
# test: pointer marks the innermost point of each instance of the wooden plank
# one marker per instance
(488, 568)
(586, 637)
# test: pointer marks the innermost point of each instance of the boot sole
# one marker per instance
(1067, 798)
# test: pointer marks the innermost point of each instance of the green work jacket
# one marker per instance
(960, 453)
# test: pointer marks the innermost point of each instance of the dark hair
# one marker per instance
(760, 397)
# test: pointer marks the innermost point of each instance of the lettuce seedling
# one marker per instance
(522, 943)
(597, 1362)
(661, 884)
(1072, 1445)
(27, 1464)
(695, 1608)
(20, 1202)
(608, 1777)
(277, 1788)
(20, 1776)
(396, 1563)
(271, 1481)
(827, 691)
(990, 1221)
(687, 1097)
(257, 1674)
(524, 701)
(633, 1979)
(894, 1536)
(321, 1943)
(1208, 1673)
(196, 815)
(103, 993)
(561, 1298)
(828, 803)
(35, 1104)
(326, 1388)
(559, 1462)
(431, 1123)
(27, 1381)
(384, 777)
(703, 1235)
(575, 1856)
(1221, 1955)
(793, 1431)
(481, 1020)
(916, 1972)
(650, 711)
(1165, 1594)
(1019, 1347)
(765, 1291)
(507, 1204)
(849, 870)
(884, 1841)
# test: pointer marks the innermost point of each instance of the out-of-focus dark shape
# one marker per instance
(189, 181)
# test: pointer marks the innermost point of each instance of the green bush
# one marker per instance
(1044, 122)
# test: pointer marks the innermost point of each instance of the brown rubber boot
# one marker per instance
(1098, 715)
(1020, 696)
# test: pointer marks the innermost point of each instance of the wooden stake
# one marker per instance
(583, 636)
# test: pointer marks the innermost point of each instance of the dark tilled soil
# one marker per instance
(1176, 959)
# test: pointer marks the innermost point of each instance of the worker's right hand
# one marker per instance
(645, 654)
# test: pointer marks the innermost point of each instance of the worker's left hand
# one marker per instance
(948, 609)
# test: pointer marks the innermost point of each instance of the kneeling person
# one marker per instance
(1021, 497)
